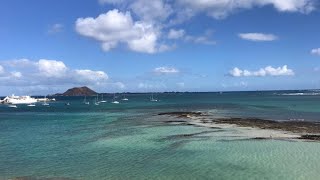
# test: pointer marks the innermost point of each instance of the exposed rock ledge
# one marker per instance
(304, 129)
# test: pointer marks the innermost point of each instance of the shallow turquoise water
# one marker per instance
(128, 141)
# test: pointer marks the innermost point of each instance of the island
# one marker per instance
(78, 91)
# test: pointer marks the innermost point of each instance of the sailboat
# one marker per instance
(114, 99)
(96, 101)
(152, 99)
(124, 98)
(102, 101)
(85, 101)
(45, 101)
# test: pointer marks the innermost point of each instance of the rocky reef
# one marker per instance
(305, 130)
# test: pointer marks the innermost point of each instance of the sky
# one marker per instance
(49, 46)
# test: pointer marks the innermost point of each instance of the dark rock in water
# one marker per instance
(182, 114)
(292, 126)
(260, 138)
(310, 137)
(79, 91)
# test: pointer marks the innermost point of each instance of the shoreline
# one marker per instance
(253, 128)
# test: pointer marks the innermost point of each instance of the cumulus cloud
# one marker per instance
(222, 8)
(1, 70)
(115, 27)
(257, 36)
(176, 34)
(315, 51)
(165, 70)
(151, 11)
(88, 76)
(52, 68)
(267, 71)
(184, 9)
(153, 18)
(47, 72)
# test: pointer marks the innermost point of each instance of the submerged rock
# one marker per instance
(182, 114)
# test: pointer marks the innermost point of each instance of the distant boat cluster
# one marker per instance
(13, 100)
(98, 102)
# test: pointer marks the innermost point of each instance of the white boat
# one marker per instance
(12, 106)
(31, 105)
(124, 98)
(96, 101)
(45, 102)
(18, 100)
(152, 99)
(114, 100)
(102, 101)
(85, 101)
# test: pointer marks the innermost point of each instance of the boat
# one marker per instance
(96, 101)
(85, 101)
(102, 101)
(31, 105)
(45, 102)
(18, 100)
(114, 100)
(67, 104)
(12, 106)
(124, 98)
(152, 99)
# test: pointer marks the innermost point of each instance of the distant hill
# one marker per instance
(79, 91)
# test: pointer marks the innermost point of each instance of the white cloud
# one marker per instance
(88, 76)
(16, 74)
(1, 70)
(315, 51)
(52, 68)
(151, 11)
(154, 11)
(222, 8)
(115, 27)
(267, 71)
(166, 70)
(154, 17)
(25, 72)
(176, 34)
(258, 36)
(55, 28)
(203, 39)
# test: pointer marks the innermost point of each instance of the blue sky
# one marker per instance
(161, 45)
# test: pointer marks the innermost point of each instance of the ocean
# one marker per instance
(130, 141)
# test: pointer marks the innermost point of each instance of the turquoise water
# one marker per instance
(128, 140)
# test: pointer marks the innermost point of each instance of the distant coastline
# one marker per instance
(75, 89)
